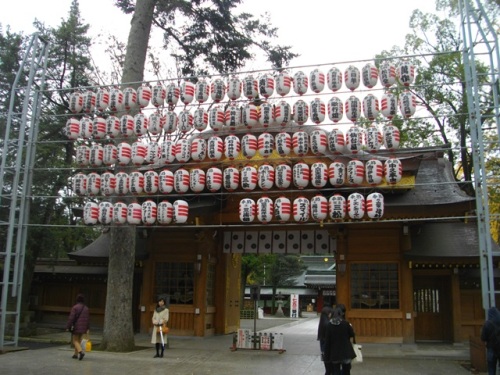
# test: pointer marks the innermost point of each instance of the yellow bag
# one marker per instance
(86, 344)
(163, 328)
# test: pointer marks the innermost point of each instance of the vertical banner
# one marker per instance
(294, 305)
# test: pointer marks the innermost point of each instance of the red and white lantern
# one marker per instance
(247, 209)
(355, 172)
(76, 102)
(172, 94)
(375, 205)
(337, 207)
(129, 98)
(90, 213)
(283, 113)
(300, 112)
(300, 143)
(283, 83)
(197, 180)
(134, 213)
(144, 94)
(391, 137)
(393, 171)
(214, 179)
(164, 213)
(353, 108)
(185, 121)
(231, 178)
(93, 183)
(200, 119)
(158, 95)
(301, 209)
(181, 181)
(374, 172)
(108, 183)
(149, 212)
(187, 92)
(136, 182)
(335, 109)
(319, 142)
(407, 103)
(113, 126)
(181, 211)
(86, 127)
(318, 110)
(319, 175)
(317, 80)
(166, 181)
(265, 144)
(354, 139)
(406, 72)
(82, 155)
(283, 176)
(250, 87)
(124, 151)
(96, 155)
(249, 178)
(127, 126)
(266, 114)
(171, 121)
(115, 100)
(198, 149)
(266, 176)
(266, 85)
(352, 77)
(300, 83)
(215, 147)
(336, 141)
(154, 153)
(167, 149)
(102, 99)
(151, 182)
(99, 127)
(283, 143)
(336, 173)
(216, 118)
(374, 139)
(217, 90)
(265, 209)
(369, 75)
(282, 209)
(334, 79)
(371, 107)
(72, 128)
(356, 206)
(389, 105)
(202, 91)
(139, 152)
(319, 208)
(183, 150)
(80, 184)
(105, 213)
(233, 117)
(232, 146)
(120, 211)
(122, 183)
(301, 175)
(234, 88)
(249, 145)
(387, 74)
(250, 115)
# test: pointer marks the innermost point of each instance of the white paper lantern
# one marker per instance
(283, 176)
(247, 209)
(283, 113)
(407, 104)
(181, 181)
(124, 153)
(234, 88)
(232, 146)
(120, 211)
(200, 119)
(387, 73)
(334, 79)
(134, 213)
(336, 141)
(355, 172)
(158, 95)
(374, 139)
(171, 121)
(113, 126)
(337, 173)
(102, 99)
(129, 98)
(317, 80)
(108, 183)
(76, 102)
(151, 182)
(215, 148)
(183, 150)
(217, 90)
(93, 183)
(202, 91)
(282, 209)
(300, 143)
(214, 179)
(198, 149)
(86, 127)
(167, 149)
(96, 155)
(319, 175)
(249, 178)
(140, 124)
(300, 83)
(375, 205)
(106, 213)
(318, 110)
(233, 116)
(300, 112)
(265, 209)
(187, 92)
(406, 72)
(164, 213)
(216, 118)
(369, 75)
(250, 87)
(115, 100)
(197, 180)
(301, 209)
(250, 115)
(337, 207)
(301, 175)
(99, 127)
(172, 94)
(393, 171)
(72, 128)
(266, 85)
(82, 155)
(266, 114)
(249, 145)
(127, 125)
(144, 94)
(265, 144)
(335, 109)
(90, 213)
(389, 105)
(353, 108)
(374, 172)
(122, 183)
(153, 154)
(181, 211)
(283, 83)
(391, 137)
(356, 206)
(139, 152)
(166, 181)
(185, 121)
(149, 212)
(80, 184)
(266, 176)
(319, 142)
(231, 178)
(354, 139)
(283, 142)
(352, 77)
(371, 107)
(319, 208)
(156, 123)
(136, 182)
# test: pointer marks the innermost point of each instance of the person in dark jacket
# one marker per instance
(78, 323)
(324, 318)
(490, 334)
(338, 347)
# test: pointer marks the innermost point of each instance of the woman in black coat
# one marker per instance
(338, 347)
(324, 319)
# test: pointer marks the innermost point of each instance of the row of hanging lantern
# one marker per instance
(248, 178)
(147, 213)
(246, 116)
(318, 142)
(318, 208)
(265, 85)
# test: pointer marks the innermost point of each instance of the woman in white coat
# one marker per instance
(160, 317)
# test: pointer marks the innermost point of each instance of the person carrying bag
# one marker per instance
(78, 324)
(160, 328)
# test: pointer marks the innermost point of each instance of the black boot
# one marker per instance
(157, 351)
(162, 350)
